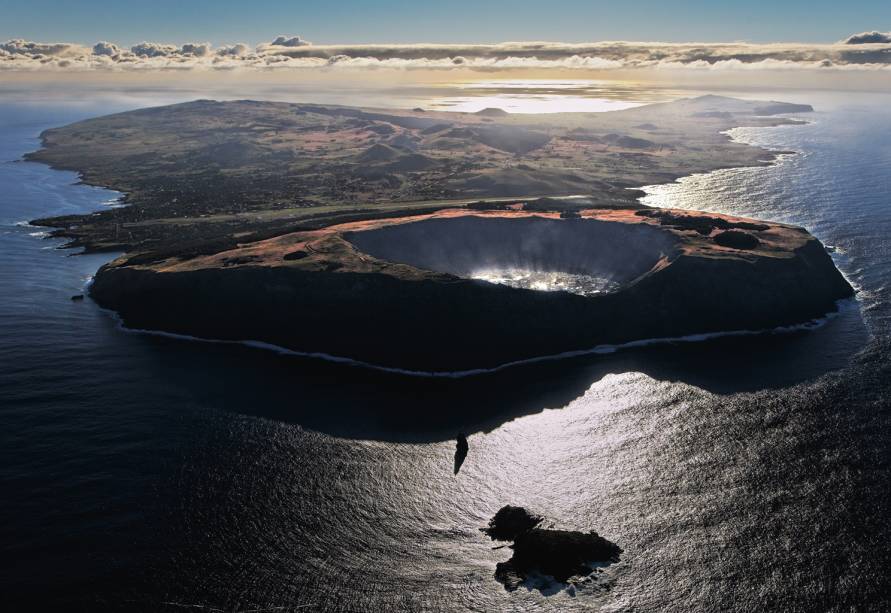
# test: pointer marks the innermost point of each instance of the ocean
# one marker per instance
(148, 473)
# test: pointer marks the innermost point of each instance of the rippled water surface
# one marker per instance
(545, 281)
(743, 474)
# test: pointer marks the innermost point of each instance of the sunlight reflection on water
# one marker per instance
(544, 96)
(526, 103)
(722, 501)
(546, 281)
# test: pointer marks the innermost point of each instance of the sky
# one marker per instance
(710, 43)
(456, 21)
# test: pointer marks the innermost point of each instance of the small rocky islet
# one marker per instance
(561, 554)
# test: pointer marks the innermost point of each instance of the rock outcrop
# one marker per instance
(561, 554)
(510, 522)
(679, 278)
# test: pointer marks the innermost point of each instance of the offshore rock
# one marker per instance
(561, 554)
(510, 522)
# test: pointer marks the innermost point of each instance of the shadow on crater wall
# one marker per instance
(464, 245)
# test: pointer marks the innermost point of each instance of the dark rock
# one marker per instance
(77, 297)
(560, 554)
(295, 255)
(509, 522)
(736, 240)
(461, 449)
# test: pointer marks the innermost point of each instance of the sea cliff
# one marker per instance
(339, 301)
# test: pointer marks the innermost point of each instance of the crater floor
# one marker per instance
(583, 256)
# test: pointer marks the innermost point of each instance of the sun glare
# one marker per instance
(547, 281)
(541, 96)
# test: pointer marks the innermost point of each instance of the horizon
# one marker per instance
(396, 306)
(858, 61)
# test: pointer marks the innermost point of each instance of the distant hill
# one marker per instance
(492, 112)
(412, 162)
(379, 153)
(783, 107)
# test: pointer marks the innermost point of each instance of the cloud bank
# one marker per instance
(866, 38)
(864, 51)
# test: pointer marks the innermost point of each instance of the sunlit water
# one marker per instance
(523, 103)
(748, 474)
(547, 281)
(544, 96)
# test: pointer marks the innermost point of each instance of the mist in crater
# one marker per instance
(581, 256)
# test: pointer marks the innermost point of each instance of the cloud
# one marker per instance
(196, 49)
(153, 50)
(238, 50)
(160, 50)
(290, 41)
(105, 48)
(865, 38)
(32, 49)
(294, 53)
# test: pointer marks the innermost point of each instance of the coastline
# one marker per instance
(842, 305)
(96, 237)
(777, 157)
(202, 451)
(342, 303)
(496, 363)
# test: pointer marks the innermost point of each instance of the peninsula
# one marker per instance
(423, 241)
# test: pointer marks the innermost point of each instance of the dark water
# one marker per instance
(147, 473)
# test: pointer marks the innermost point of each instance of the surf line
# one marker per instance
(812, 324)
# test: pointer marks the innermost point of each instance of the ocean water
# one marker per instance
(747, 473)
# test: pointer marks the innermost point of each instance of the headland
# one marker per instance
(375, 236)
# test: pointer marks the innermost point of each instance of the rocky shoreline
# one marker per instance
(357, 234)
(340, 301)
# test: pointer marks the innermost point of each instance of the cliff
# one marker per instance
(334, 298)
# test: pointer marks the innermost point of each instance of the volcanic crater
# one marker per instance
(581, 256)
(417, 292)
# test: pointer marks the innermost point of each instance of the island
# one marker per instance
(561, 555)
(432, 242)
